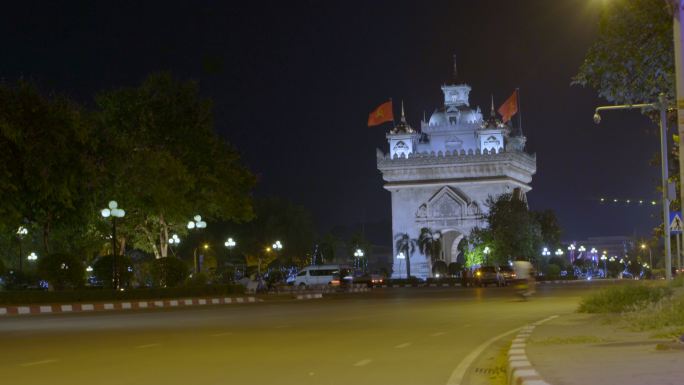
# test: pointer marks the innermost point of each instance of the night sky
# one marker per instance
(293, 83)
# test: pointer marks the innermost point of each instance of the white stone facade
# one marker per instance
(441, 177)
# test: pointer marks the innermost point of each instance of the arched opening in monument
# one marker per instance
(450, 240)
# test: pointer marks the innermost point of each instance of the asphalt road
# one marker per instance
(409, 336)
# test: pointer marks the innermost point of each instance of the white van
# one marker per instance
(323, 275)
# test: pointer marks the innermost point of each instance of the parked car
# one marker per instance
(508, 273)
(487, 275)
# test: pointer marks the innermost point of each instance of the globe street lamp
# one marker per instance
(174, 240)
(21, 233)
(545, 252)
(660, 105)
(559, 252)
(486, 252)
(32, 257)
(114, 212)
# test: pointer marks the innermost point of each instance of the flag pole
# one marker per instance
(517, 91)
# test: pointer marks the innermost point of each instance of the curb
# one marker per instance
(521, 371)
(122, 305)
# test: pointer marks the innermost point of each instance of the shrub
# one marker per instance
(553, 271)
(168, 272)
(103, 267)
(439, 267)
(197, 280)
(454, 269)
(62, 271)
(667, 313)
(623, 298)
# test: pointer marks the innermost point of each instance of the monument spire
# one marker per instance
(492, 113)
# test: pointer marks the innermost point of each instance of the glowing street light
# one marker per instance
(174, 240)
(197, 223)
(113, 211)
(32, 257)
(546, 252)
(559, 252)
(277, 246)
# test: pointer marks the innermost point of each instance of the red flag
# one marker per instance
(381, 114)
(509, 108)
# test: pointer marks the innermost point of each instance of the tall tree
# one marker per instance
(513, 230)
(550, 228)
(161, 159)
(407, 246)
(429, 244)
(632, 60)
(46, 171)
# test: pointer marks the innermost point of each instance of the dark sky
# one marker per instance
(293, 83)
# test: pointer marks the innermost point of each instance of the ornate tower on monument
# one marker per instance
(441, 177)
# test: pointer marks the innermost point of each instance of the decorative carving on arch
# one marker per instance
(422, 211)
(448, 202)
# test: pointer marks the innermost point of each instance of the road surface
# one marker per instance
(412, 336)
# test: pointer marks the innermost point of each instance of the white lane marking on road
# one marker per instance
(404, 345)
(437, 334)
(146, 346)
(221, 334)
(34, 363)
(363, 362)
(459, 372)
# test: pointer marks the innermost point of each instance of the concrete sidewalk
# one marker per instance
(581, 349)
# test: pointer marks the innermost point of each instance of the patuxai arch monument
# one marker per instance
(441, 176)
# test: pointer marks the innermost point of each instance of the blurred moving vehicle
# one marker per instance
(508, 274)
(487, 275)
(371, 280)
(334, 275)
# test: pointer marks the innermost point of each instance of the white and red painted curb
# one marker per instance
(121, 305)
(520, 370)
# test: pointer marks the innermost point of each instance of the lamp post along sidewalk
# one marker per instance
(661, 105)
(114, 212)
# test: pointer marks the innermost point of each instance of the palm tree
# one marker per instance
(405, 244)
(429, 244)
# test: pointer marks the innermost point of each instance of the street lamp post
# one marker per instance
(358, 255)
(21, 232)
(486, 252)
(114, 212)
(605, 269)
(230, 243)
(661, 105)
(650, 254)
(571, 251)
(197, 223)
